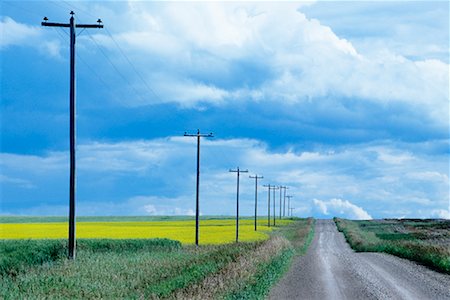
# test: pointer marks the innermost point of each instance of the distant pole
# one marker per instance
(284, 201)
(197, 202)
(274, 211)
(268, 203)
(72, 179)
(292, 208)
(289, 203)
(256, 177)
(238, 171)
(281, 207)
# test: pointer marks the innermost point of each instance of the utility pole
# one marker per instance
(289, 203)
(281, 191)
(238, 171)
(292, 208)
(197, 204)
(256, 177)
(72, 180)
(284, 201)
(274, 213)
(268, 203)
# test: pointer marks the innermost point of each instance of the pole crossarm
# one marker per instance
(197, 194)
(50, 24)
(72, 124)
(198, 134)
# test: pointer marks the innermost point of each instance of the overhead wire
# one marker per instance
(122, 52)
(131, 64)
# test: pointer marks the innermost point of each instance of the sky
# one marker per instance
(346, 103)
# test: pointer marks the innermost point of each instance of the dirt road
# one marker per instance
(331, 270)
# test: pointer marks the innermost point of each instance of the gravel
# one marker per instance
(332, 270)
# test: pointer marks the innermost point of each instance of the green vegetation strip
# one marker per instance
(300, 236)
(426, 242)
(251, 275)
(159, 268)
(18, 255)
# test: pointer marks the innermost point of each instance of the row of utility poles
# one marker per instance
(238, 171)
(72, 180)
(270, 188)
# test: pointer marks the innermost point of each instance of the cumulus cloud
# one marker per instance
(368, 177)
(440, 213)
(226, 52)
(14, 33)
(18, 34)
(341, 208)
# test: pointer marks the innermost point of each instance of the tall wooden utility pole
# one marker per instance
(238, 171)
(72, 27)
(256, 177)
(197, 204)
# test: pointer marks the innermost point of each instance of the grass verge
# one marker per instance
(155, 269)
(299, 236)
(252, 274)
(426, 242)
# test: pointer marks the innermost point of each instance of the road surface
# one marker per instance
(331, 270)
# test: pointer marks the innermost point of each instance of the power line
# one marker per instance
(238, 171)
(132, 65)
(115, 67)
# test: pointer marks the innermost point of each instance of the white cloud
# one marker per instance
(110, 175)
(440, 213)
(205, 44)
(13, 33)
(16, 181)
(18, 34)
(341, 208)
(150, 209)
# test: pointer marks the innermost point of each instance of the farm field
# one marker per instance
(424, 241)
(150, 268)
(212, 231)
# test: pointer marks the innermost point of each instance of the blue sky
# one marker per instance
(347, 103)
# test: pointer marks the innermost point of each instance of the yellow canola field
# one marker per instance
(211, 231)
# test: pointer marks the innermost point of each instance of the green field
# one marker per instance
(149, 268)
(424, 241)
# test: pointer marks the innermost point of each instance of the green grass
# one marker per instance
(159, 268)
(18, 255)
(299, 235)
(424, 241)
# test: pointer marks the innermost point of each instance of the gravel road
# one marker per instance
(332, 270)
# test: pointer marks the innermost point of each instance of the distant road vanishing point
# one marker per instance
(332, 270)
